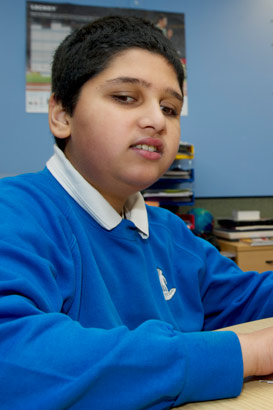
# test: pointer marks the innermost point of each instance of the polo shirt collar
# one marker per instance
(92, 201)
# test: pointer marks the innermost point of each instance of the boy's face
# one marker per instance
(125, 130)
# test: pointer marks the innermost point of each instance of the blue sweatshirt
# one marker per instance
(98, 319)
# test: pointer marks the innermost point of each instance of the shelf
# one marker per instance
(168, 190)
(169, 203)
(185, 151)
(184, 156)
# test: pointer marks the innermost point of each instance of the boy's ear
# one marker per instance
(58, 119)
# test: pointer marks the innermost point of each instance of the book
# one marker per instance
(227, 223)
(235, 235)
(258, 241)
(238, 215)
(175, 195)
(177, 173)
(253, 227)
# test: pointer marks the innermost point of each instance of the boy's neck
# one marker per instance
(117, 203)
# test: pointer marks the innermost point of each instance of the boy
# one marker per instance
(106, 303)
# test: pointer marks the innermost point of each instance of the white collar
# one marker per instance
(92, 201)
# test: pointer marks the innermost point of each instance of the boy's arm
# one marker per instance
(231, 296)
(50, 361)
(257, 351)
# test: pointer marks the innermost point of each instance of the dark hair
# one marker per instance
(88, 51)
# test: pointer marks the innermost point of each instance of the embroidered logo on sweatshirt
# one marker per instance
(168, 294)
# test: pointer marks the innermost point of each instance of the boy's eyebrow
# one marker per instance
(144, 83)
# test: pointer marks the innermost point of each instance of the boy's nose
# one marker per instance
(153, 117)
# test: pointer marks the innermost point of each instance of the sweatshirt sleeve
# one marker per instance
(49, 361)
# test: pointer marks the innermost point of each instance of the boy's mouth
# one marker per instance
(145, 147)
(149, 145)
(150, 150)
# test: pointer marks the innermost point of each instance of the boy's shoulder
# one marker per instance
(18, 181)
(31, 190)
(28, 183)
(158, 212)
(164, 217)
(163, 220)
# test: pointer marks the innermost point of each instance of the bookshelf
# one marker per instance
(174, 188)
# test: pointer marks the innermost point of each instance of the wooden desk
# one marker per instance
(255, 395)
(258, 258)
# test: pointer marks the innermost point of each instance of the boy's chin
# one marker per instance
(142, 186)
(139, 181)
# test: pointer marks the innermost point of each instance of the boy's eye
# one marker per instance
(169, 111)
(125, 99)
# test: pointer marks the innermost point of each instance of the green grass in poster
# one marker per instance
(37, 78)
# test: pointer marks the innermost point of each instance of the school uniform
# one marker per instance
(100, 311)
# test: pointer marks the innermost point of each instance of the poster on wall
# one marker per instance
(49, 23)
